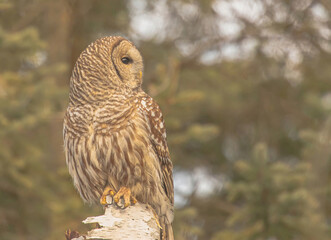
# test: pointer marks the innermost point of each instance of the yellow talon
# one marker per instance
(108, 191)
(103, 200)
(133, 200)
(125, 193)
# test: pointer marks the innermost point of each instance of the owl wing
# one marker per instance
(159, 141)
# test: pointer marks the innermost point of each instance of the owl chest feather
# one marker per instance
(108, 145)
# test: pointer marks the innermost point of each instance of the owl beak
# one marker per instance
(140, 74)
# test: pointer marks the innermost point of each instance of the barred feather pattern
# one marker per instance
(114, 133)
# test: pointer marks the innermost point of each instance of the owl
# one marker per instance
(114, 134)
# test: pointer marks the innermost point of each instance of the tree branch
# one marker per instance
(134, 222)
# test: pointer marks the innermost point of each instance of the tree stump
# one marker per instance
(133, 222)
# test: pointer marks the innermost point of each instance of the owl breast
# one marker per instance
(109, 145)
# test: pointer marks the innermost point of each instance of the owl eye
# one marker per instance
(125, 60)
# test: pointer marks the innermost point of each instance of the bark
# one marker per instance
(133, 222)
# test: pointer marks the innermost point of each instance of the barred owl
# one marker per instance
(114, 134)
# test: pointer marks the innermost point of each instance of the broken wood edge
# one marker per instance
(134, 222)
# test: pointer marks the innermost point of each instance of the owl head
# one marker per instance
(107, 65)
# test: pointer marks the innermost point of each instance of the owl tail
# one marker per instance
(166, 232)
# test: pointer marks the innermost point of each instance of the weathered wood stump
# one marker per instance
(133, 222)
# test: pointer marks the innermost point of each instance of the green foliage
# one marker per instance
(187, 224)
(273, 200)
(29, 99)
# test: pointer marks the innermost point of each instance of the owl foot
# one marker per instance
(108, 191)
(128, 199)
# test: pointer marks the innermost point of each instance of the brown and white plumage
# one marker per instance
(114, 133)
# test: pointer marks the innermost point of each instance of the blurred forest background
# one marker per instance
(245, 87)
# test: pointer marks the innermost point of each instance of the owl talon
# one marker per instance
(128, 199)
(108, 191)
(133, 200)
